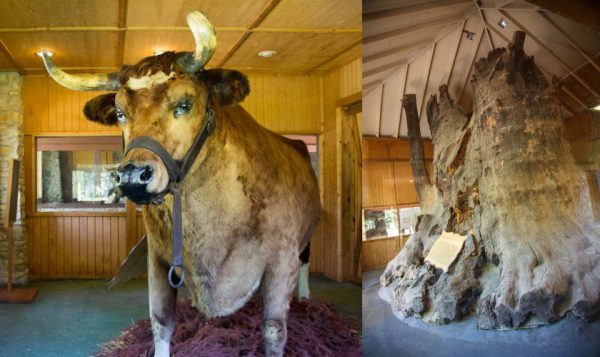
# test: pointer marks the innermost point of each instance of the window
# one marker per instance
(389, 222)
(75, 173)
(312, 144)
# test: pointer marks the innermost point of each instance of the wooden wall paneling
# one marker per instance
(377, 253)
(52, 246)
(122, 251)
(84, 242)
(378, 184)
(68, 244)
(403, 179)
(44, 244)
(60, 246)
(106, 245)
(99, 239)
(91, 252)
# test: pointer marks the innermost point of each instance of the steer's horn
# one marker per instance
(82, 82)
(206, 43)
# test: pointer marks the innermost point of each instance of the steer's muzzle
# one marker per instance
(133, 180)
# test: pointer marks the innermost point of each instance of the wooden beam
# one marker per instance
(572, 95)
(413, 29)
(462, 91)
(173, 29)
(380, 109)
(395, 50)
(485, 29)
(266, 10)
(427, 79)
(460, 34)
(122, 23)
(413, 10)
(6, 52)
(549, 50)
(334, 56)
(403, 94)
(384, 68)
(367, 87)
(571, 41)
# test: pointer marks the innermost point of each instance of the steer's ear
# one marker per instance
(227, 87)
(101, 109)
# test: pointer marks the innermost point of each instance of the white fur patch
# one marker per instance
(302, 290)
(241, 302)
(149, 81)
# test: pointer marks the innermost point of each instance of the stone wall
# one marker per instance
(11, 146)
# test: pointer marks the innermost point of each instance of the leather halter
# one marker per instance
(177, 170)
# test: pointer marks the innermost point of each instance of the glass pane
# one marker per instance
(380, 223)
(408, 219)
(77, 180)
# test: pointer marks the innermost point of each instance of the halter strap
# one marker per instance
(177, 170)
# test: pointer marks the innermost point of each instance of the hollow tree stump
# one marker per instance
(505, 178)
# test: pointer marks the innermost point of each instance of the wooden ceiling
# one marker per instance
(99, 35)
(414, 46)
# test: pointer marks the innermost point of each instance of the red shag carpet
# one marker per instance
(314, 329)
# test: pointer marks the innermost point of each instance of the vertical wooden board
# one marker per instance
(91, 239)
(68, 233)
(99, 239)
(75, 246)
(392, 104)
(74, 113)
(83, 247)
(372, 113)
(466, 51)
(405, 187)
(52, 246)
(60, 246)
(439, 73)
(378, 184)
(30, 245)
(36, 246)
(106, 233)
(44, 245)
(122, 221)
(466, 101)
(114, 244)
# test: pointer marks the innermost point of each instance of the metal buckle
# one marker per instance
(171, 276)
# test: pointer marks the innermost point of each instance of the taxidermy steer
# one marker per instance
(249, 200)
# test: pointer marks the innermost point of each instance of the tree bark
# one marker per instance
(505, 178)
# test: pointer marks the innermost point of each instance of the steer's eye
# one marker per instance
(182, 108)
(120, 116)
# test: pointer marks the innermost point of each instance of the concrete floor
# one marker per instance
(384, 334)
(73, 318)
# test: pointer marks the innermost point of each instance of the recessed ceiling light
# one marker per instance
(42, 51)
(267, 53)
(502, 23)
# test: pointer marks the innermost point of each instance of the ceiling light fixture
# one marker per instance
(502, 23)
(158, 52)
(597, 107)
(267, 53)
(41, 52)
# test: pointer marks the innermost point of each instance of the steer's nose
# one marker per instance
(130, 174)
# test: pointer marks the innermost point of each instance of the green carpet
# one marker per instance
(74, 317)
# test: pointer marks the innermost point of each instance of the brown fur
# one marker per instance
(250, 201)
